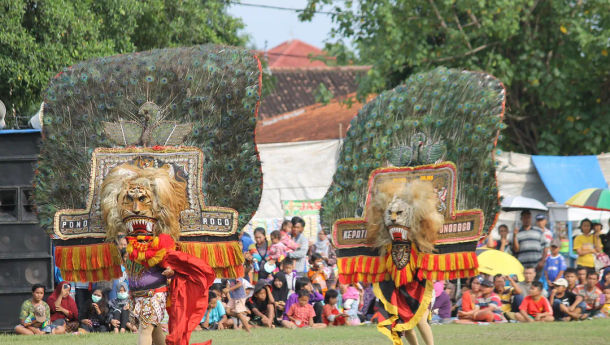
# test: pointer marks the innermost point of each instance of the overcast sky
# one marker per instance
(271, 27)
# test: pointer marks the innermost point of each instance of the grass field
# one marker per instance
(582, 333)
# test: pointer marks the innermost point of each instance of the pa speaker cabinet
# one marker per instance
(25, 249)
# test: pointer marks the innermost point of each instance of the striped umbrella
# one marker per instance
(591, 198)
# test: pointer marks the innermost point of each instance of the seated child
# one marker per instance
(119, 311)
(606, 307)
(535, 307)
(351, 302)
(487, 308)
(590, 294)
(330, 313)
(261, 305)
(316, 273)
(301, 314)
(215, 316)
(566, 305)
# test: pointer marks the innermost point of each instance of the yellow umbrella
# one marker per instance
(493, 261)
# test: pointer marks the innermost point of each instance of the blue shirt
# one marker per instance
(553, 265)
(216, 314)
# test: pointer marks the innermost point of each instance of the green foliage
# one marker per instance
(552, 56)
(460, 116)
(39, 38)
(323, 94)
(216, 88)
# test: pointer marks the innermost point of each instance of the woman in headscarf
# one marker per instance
(63, 308)
(97, 318)
(279, 291)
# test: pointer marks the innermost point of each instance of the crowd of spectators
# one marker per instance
(291, 282)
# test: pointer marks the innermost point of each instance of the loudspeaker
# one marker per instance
(25, 249)
(23, 240)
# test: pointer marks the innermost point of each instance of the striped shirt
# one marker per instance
(531, 244)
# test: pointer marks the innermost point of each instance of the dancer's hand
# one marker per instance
(169, 272)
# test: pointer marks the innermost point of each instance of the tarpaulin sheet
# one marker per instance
(565, 176)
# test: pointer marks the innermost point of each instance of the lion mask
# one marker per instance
(399, 213)
(142, 201)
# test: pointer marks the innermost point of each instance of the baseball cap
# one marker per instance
(556, 243)
(487, 283)
(540, 216)
(561, 282)
(40, 313)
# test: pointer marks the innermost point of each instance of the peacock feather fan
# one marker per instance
(444, 114)
(215, 89)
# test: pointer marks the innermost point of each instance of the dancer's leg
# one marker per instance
(411, 337)
(425, 330)
(157, 336)
(145, 334)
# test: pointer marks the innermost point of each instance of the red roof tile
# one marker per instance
(295, 88)
(315, 122)
(294, 53)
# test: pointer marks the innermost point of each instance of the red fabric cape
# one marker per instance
(188, 297)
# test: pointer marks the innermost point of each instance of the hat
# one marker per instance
(487, 283)
(556, 243)
(247, 285)
(261, 284)
(40, 313)
(561, 282)
(540, 216)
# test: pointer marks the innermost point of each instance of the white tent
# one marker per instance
(304, 170)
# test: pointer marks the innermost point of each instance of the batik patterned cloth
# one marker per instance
(150, 310)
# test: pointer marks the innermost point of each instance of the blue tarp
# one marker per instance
(17, 131)
(564, 176)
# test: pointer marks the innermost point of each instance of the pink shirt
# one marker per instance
(276, 251)
(289, 242)
(302, 313)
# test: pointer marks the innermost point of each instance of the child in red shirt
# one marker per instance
(330, 313)
(301, 314)
(535, 307)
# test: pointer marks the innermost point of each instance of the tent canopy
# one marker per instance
(564, 176)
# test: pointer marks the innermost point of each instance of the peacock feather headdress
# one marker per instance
(203, 96)
(441, 115)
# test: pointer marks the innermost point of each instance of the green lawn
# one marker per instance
(581, 333)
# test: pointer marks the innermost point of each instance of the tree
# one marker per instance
(40, 38)
(552, 56)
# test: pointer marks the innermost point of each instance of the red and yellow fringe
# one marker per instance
(363, 268)
(431, 266)
(448, 266)
(88, 263)
(226, 258)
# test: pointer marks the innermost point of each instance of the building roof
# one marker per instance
(314, 122)
(295, 88)
(294, 53)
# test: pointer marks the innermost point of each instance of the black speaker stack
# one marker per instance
(25, 249)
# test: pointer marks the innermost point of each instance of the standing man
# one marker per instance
(300, 254)
(529, 243)
(541, 222)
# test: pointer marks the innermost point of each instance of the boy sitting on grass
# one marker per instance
(535, 307)
(565, 304)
